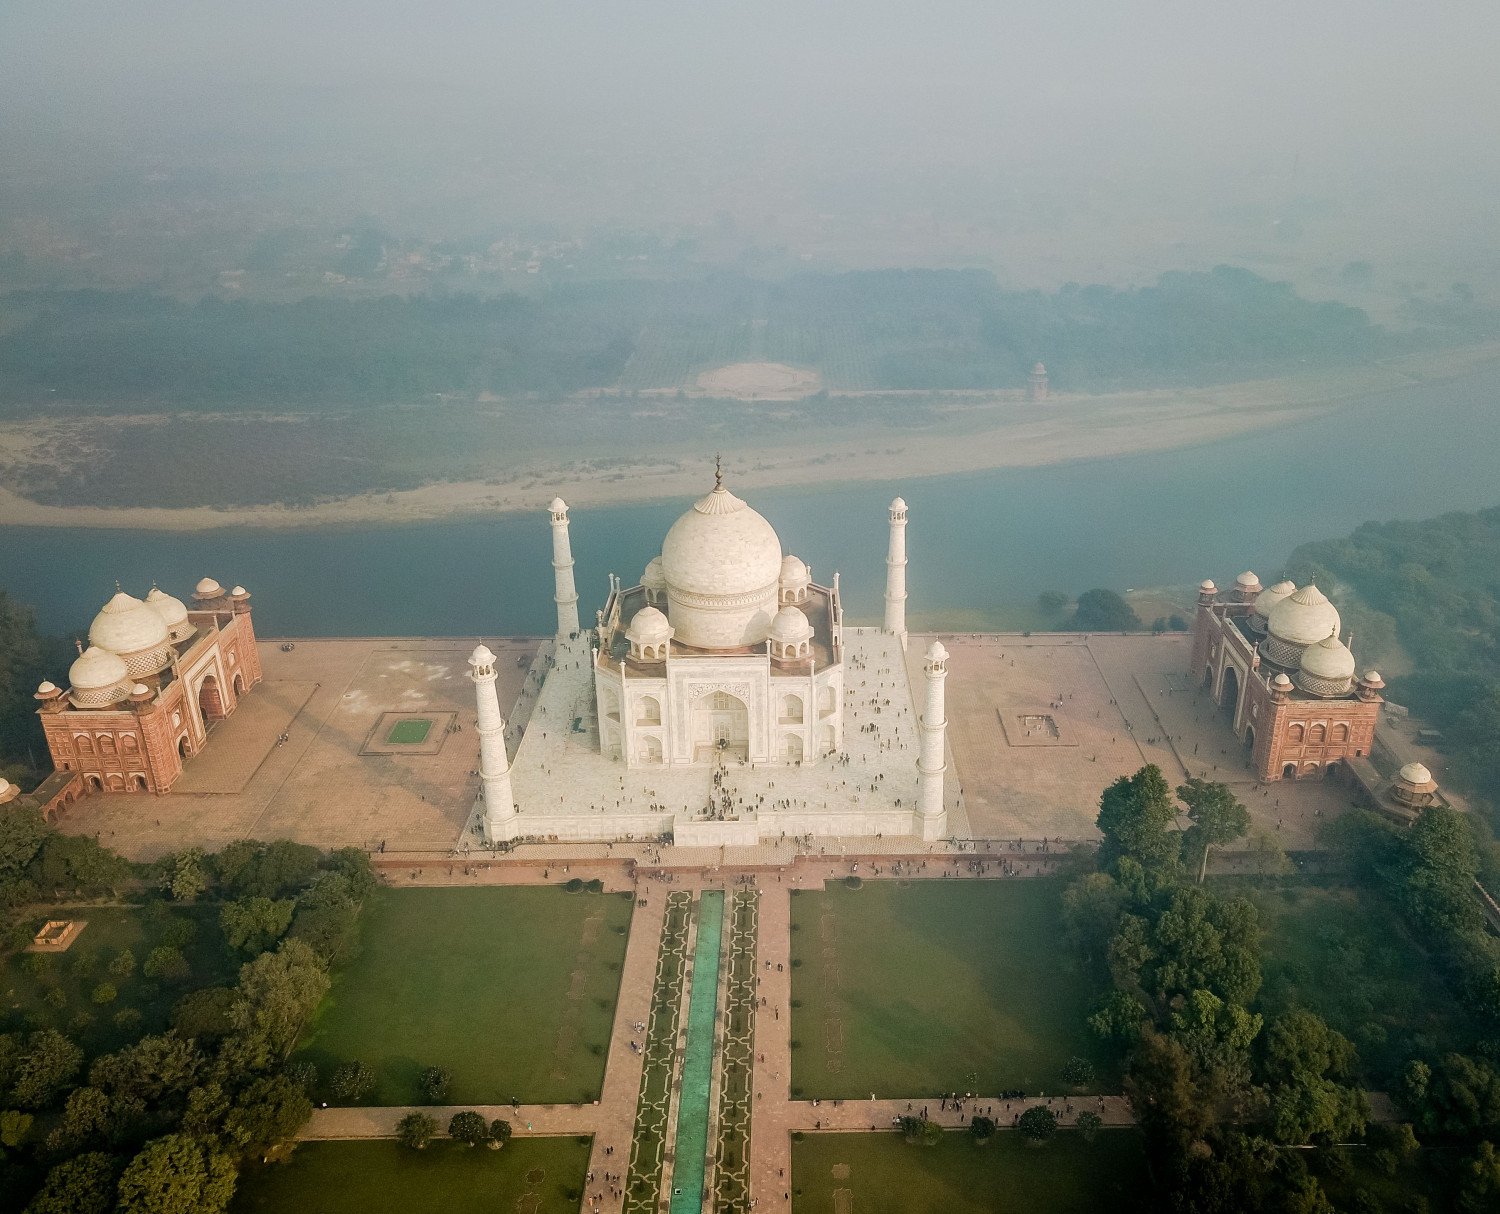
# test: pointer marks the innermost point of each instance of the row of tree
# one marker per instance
(163, 1124)
(1219, 1088)
(915, 329)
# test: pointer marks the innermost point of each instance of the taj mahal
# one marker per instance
(717, 699)
(721, 699)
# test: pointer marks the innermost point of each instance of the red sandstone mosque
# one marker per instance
(141, 698)
(1274, 660)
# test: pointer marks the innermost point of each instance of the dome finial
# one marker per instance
(718, 471)
(119, 589)
(79, 644)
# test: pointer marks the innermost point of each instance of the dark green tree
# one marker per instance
(1037, 1124)
(433, 1084)
(267, 1113)
(1311, 1072)
(500, 1132)
(84, 1184)
(1078, 1073)
(253, 925)
(416, 1130)
(1104, 611)
(277, 993)
(1217, 818)
(352, 1082)
(468, 1127)
(46, 1066)
(1479, 1181)
(1136, 816)
(177, 1175)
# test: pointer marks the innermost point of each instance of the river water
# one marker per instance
(979, 544)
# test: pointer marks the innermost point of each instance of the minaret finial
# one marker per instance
(118, 588)
(718, 471)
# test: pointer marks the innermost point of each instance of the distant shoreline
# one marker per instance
(1009, 434)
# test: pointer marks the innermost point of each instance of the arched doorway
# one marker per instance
(210, 700)
(650, 749)
(1229, 692)
(239, 685)
(184, 748)
(721, 723)
(792, 751)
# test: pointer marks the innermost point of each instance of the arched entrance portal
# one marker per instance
(721, 723)
(1229, 693)
(210, 701)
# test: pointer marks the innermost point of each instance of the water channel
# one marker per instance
(690, 1155)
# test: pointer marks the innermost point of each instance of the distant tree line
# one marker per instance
(922, 329)
(1436, 579)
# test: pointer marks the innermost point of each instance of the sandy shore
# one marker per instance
(980, 436)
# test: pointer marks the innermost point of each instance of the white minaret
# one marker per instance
(494, 765)
(566, 596)
(895, 574)
(932, 811)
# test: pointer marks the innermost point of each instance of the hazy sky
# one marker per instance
(622, 112)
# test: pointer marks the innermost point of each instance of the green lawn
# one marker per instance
(408, 733)
(1345, 954)
(537, 1175)
(513, 990)
(30, 978)
(881, 1174)
(920, 988)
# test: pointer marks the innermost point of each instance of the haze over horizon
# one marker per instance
(1047, 142)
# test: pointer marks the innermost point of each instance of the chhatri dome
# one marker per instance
(722, 565)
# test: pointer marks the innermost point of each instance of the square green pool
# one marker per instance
(409, 733)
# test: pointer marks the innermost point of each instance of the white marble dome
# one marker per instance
(1270, 596)
(173, 612)
(98, 679)
(207, 589)
(722, 563)
(1328, 659)
(648, 626)
(126, 626)
(1247, 581)
(1416, 773)
(1304, 617)
(654, 578)
(482, 656)
(790, 627)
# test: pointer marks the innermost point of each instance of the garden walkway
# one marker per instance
(775, 1115)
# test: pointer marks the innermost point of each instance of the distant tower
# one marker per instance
(895, 574)
(1037, 388)
(566, 595)
(931, 807)
(494, 765)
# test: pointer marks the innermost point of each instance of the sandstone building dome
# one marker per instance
(98, 678)
(1304, 617)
